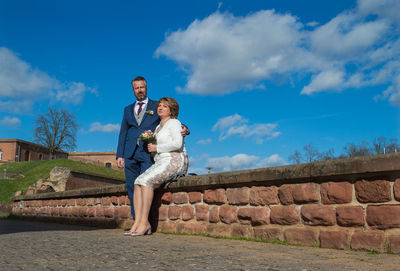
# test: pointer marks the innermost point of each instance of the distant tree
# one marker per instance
(352, 150)
(296, 157)
(379, 145)
(56, 130)
(310, 154)
(392, 146)
(328, 155)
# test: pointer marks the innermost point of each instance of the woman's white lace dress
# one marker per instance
(171, 159)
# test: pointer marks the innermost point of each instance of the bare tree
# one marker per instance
(325, 156)
(379, 145)
(352, 150)
(296, 157)
(56, 130)
(393, 146)
(311, 153)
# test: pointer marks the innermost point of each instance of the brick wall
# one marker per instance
(28, 151)
(9, 151)
(349, 203)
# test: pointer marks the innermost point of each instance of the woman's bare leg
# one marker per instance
(137, 205)
(147, 199)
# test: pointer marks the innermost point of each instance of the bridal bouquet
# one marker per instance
(148, 136)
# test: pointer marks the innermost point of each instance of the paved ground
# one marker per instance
(40, 246)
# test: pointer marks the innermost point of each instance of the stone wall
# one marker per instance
(346, 203)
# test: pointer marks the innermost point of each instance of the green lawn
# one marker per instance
(35, 170)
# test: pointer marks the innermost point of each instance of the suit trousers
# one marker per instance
(133, 168)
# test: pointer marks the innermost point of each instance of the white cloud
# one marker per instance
(271, 161)
(223, 53)
(326, 80)
(228, 121)
(236, 162)
(204, 141)
(18, 79)
(16, 107)
(73, 92)
(106, 128)
(346, 37)
(198, 171)
(384, 8)
(11, 122)
(22, 85)
(237, 125)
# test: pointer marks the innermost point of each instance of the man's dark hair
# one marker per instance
(139, 78)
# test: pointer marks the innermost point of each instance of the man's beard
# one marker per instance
(141, 97)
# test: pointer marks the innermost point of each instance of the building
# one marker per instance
(17, 150)
(106, 159)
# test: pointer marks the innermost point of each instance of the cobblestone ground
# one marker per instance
(41, 246)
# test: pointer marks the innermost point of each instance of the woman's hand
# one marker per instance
(152, 147)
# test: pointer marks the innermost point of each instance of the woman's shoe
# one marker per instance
(128, 233)
(139, 233)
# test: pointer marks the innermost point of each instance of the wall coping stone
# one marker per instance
(94, 191)
(349, 168)
(82, 173)
(337, 169)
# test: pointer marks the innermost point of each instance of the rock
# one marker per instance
(334, 239)
(195, 197)
(261, 195)
(180, 198)
(58, 178)
(383, 217)
(284, 215)
(301, 236)
(368, 240)
(202, 212)
(215, 196)
(333, 192)
(285, 194)
(306, 193)
(268, 233)
(318, 215)
(350, 216)
(166, 198)
(174, 212)
(396, 189)
(18, 193)
(238, 196)
(228, 214)
(187, 213)
(373, 191)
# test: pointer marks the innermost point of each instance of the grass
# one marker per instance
(35, 170)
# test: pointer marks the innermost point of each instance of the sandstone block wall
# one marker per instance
(339, 204)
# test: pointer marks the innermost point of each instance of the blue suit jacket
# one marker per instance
(131, 130)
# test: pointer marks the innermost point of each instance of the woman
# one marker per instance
(170, 162)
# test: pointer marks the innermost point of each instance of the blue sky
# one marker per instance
(255, 79)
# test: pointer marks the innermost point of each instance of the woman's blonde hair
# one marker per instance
(172, 104)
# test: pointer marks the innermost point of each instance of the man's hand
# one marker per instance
(120, 162)
(185, 131)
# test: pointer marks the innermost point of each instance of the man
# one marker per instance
(131, 152)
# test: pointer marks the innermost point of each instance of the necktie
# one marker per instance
(140, 108)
